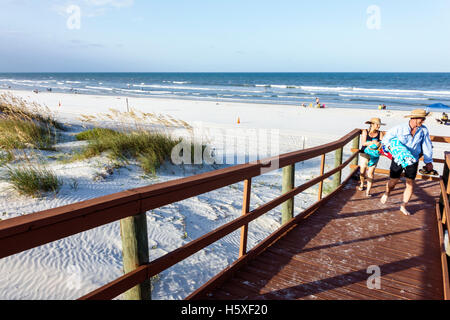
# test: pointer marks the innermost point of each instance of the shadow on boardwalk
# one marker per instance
(331, 253)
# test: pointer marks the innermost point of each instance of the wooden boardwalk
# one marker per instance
(328, 255)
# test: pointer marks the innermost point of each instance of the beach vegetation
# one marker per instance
(24, 125)
(148, 148)
(328, 187)
(5, 157)
(33, 181)
(94, 133)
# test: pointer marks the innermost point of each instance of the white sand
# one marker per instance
(72, 267)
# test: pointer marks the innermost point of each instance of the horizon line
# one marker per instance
(18, 72)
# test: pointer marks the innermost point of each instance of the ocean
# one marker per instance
(398, 91)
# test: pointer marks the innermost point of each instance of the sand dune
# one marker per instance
(74, 266)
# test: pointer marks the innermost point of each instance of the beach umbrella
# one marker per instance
(438, 106)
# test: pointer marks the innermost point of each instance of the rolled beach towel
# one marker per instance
(374, 154)
(400, 154)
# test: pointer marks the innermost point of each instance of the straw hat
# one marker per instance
(375, 121)
(418, 113)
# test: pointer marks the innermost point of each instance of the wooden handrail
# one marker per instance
(447, 158)
(26, 232)
(192, 247)
(446, 207)
(444, 264)
(443, 216)
(440, 139)
(29, 231)
(214, 282)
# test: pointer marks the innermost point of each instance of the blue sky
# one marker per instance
(225, 36)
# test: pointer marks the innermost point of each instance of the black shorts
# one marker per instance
(410, 171)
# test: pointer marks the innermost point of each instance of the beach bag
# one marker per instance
(374, 154)
(400, 154)
(385, 152)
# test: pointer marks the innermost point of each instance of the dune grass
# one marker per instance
(149, 149)
(32, 181)
(24, 125)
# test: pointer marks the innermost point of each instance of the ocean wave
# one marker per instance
(28, 82)
(382, 97)
(310, 88)
(402, 91)
(363, 90)
(159, 86)
(144, 92)
(406, 103)
(101, 88)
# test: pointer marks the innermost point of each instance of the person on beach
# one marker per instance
(414, 138)
(369, 154)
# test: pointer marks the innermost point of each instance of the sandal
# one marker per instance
(432, 172)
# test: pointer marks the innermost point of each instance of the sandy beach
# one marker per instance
(323, 123)
(71, 267)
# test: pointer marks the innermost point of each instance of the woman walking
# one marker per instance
(369, 154)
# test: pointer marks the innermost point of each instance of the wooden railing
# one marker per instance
(32, 230)
(443, 216)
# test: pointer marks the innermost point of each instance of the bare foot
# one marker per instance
(404, 211)
(384, 198)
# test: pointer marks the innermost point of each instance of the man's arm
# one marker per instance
(427, 148)
(389, 136)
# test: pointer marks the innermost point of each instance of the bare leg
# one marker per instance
(390, 185)
(362, 175)
(407, 196)
(370, 175)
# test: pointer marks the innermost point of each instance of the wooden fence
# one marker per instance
(32, 230)
(443, 217)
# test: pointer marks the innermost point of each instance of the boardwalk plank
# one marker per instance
(327, 255)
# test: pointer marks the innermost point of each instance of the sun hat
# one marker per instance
(375, 121)
(418, 113)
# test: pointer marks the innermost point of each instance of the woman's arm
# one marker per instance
(364, 138)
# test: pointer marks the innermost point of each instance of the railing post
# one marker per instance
(133, 231)
(245, 210)
(337, 162)
(355, 145)
(287, 208)
(445, 176)
(322, 171)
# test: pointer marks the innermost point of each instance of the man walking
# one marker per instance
(416, 138)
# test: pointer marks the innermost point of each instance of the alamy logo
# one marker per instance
(231, 146)
(74, 280)
(74, 20)
(374, 18)
(374, 281)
